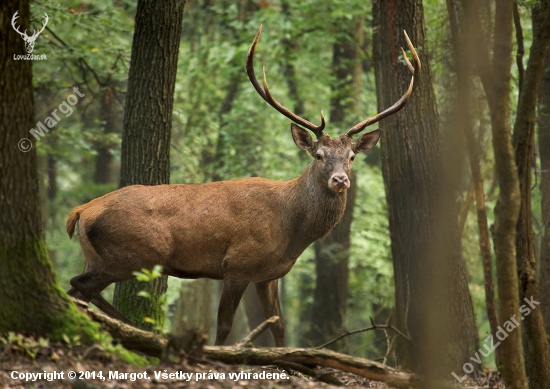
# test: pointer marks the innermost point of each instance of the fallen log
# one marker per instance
(242, 354)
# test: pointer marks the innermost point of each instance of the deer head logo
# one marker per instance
(29, 40)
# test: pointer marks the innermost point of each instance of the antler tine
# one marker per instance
(415, 70)
(15, 16)
(36, 33)
(266, 94)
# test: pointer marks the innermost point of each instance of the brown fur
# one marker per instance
(241, 231)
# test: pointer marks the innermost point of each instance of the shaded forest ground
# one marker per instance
(26, 356)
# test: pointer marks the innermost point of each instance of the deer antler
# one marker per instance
(415, 70)
(23, 34)
(266, 95)
(36, 33)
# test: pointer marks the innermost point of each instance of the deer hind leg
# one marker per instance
(90, 285)
(77, 295)
(268, 293)
(232, 292)
(94, 279)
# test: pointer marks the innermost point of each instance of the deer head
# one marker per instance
(29, 40)
(333, 156)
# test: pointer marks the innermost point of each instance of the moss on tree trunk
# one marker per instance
(30, 297)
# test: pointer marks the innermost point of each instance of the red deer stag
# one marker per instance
(239, 231)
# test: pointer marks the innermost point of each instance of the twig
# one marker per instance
(373, 326)
(252, 335)
(390, 346)
(323, 377)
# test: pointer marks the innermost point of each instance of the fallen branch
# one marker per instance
(309, 356)
(248, 339)
(129, 336)
(153, 345)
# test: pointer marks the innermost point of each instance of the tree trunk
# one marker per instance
(536, 350)
(543, 122)
(430, 276)
(495, 77)
(31, 299)
(145, 154)
(328, 311)
(463, 121)
(103, 173)
(508, 204)
(193, 307)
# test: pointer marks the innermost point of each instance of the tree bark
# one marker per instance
(328, 311)
(193, 309)
(103, 172)
(32, 301)
(154, 345)
(543, 122)
(429, 271)
(508, 204)
(535, 343)
(145, 154)
(463, 119)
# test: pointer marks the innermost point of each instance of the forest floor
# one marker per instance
(24, 364)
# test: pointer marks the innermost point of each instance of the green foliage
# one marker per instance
(23, 345)
(73, 341)
(222, 129)
(146, 275)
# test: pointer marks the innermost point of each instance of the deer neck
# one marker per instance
(315, 209)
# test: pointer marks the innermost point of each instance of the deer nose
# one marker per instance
(339, 181)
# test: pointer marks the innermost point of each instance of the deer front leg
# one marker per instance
(232, 291)
(268, 292)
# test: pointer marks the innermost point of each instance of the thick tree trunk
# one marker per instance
(543, 122)
(328, 310)
(433, 304)
(31, 299)
(536, 350)
(145, 154)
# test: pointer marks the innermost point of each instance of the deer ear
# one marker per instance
(366, 142)
(301, 137)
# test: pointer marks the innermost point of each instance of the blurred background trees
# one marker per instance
(342, 57)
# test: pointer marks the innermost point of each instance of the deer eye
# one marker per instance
(318, 157)
(352, 158)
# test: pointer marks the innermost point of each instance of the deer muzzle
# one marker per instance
(339, 182)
